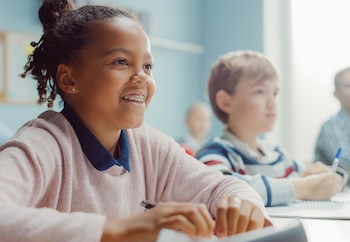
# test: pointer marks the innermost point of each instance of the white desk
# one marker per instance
(322, 230)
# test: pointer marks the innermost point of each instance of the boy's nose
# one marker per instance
(272, 103)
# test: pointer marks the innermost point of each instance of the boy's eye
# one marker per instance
(148, 66)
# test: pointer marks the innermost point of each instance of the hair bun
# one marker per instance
(51, 10)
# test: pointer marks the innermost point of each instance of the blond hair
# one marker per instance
(230, 68)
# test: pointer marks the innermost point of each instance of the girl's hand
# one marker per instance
(236, 215)
(190, 218)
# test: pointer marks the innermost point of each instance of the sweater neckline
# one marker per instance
(99, 157)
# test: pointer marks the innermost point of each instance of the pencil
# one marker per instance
(147, 204)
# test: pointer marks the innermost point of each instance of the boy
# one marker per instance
(242, 89)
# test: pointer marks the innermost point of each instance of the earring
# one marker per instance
(73, 89)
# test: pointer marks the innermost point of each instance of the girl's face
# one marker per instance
(114, 82)
(253, 105)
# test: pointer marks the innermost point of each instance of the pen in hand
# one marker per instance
(336, 161)
(147, 204)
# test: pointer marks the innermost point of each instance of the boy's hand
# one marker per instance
(236, 215)
(317, 187)
(315, 168)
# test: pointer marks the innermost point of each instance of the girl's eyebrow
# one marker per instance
(124, 51)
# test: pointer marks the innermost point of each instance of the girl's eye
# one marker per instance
(148, 66)
(121, 62)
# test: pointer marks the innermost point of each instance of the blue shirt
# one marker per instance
(99, 157)
(334, 133)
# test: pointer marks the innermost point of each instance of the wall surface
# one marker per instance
(230, 25)
(189, 36)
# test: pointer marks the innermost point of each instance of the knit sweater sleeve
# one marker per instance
(273, 191)
(27, 170)
(183, 178)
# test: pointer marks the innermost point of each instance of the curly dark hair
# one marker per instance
(66, 31)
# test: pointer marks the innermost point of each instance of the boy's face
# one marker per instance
(253, 105)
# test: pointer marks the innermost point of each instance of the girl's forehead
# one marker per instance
(111, 26)
(118, 32)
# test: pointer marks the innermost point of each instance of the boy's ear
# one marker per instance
(336, 94)
(65, 80)
(222, 100)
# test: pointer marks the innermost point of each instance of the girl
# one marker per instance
(81, 174)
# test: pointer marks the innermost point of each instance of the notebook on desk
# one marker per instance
(338, 208)
(290, 232)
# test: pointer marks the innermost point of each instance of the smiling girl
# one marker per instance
(81, 174)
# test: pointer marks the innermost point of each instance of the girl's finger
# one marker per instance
(257, 219)
(179, 223)
(244, 216)
(210, 224)
(221, 217)
(233, 215)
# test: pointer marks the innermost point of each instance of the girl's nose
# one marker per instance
(140, 78)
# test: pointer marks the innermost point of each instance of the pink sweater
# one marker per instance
(49, 191)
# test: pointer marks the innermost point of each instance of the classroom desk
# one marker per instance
(319, 230)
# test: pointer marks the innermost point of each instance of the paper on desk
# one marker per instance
(291, 232)
(168, 235)
(338, 208)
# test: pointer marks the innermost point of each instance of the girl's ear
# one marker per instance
(222, 100)
(65, 80)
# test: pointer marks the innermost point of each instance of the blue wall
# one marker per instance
(219, 26)
(229, 25)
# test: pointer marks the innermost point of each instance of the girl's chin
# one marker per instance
(134, 124)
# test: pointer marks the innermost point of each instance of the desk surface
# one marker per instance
(318, 230)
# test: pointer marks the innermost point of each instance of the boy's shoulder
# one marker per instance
(217, 145)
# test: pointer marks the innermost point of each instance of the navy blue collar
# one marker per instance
(99, 157)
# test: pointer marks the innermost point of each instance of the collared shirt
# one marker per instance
(99, 157)
(334, 133)
(234, 157)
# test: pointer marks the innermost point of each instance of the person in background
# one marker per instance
(198, 123)
(5, 133)
(335, 132)
(82, 173)
(242, 87)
